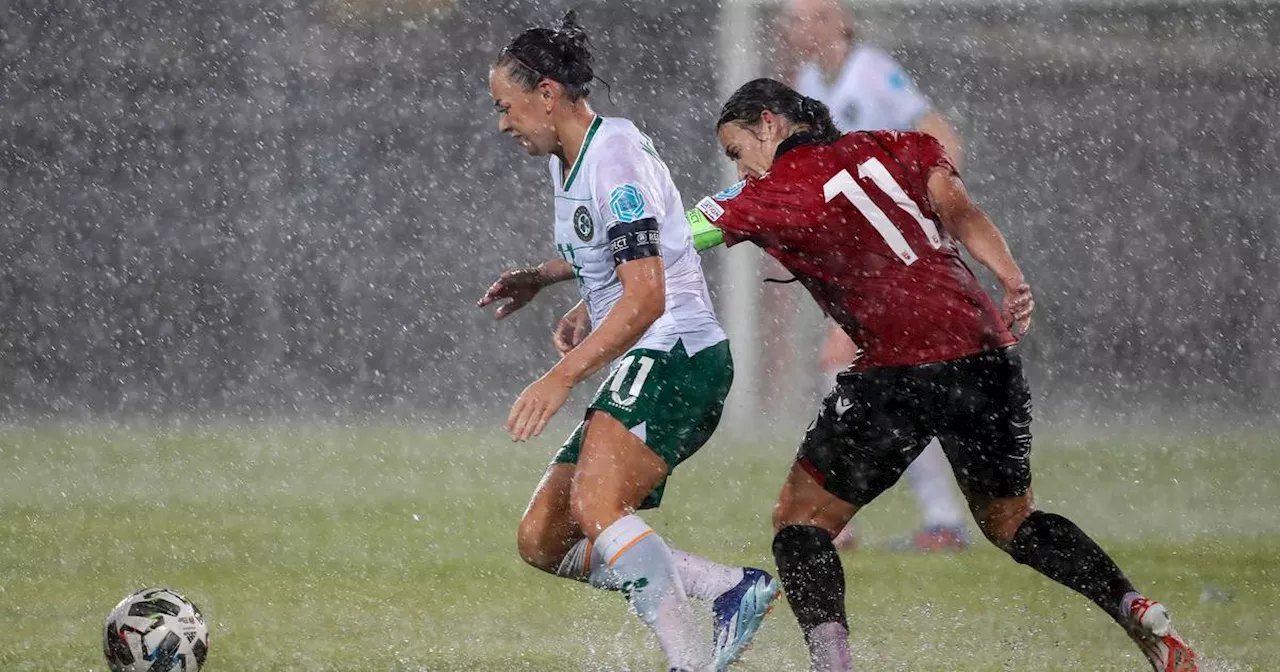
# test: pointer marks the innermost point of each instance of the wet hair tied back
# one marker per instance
(751, 99)
(562, 55)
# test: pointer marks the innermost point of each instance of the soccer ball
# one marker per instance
(155, 630)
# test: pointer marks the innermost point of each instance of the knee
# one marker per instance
(781, 517)
(591, 516)
(787, 512)
(532, 543)
(1000, 523)
(999, 532)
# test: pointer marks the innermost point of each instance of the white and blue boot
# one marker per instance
(738, 613)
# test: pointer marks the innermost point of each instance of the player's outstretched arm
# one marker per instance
(522, 284)
(966, 222)
(705, 234)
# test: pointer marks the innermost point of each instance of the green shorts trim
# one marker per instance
(670, 400)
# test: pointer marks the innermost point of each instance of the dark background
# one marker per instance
(289, 208)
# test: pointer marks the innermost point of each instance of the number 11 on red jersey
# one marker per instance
(842, 183)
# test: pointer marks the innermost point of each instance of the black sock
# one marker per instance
(1055, 547)
(811, 574)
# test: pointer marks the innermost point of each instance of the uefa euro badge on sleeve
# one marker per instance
(627, 203)
(730, 192)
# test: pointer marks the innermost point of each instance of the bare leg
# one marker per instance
(547, 530)
(805, 519)
(616, 471)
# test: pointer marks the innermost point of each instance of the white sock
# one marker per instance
(642, 565)
(582, 563)
(702, 578)
(930, 476)
(829, 649)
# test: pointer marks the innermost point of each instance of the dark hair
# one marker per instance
(758, 95)
(561, 55)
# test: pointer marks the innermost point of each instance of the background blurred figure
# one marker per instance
(173, 246)
(866, 89)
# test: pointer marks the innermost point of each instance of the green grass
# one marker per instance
(371, 549)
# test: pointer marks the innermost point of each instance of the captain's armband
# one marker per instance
(629, 241)
(705, 234)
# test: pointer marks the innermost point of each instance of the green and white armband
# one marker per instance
(705, 234)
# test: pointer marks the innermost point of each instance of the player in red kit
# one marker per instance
(869, 223)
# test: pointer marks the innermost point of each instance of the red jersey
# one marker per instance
(852, 221)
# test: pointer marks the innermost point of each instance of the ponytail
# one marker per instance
(815, 114)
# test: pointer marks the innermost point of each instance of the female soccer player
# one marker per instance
(865, 88)
(620, 230)
(868, 223)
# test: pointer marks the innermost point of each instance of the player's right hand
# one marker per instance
(572, 329)
(518, 284)
(1017, 307)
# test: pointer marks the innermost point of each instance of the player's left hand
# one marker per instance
(1018, 305)
(536, 405)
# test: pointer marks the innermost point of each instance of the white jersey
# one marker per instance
(872, 92)
(616, 178)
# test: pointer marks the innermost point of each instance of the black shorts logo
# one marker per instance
(582, 224)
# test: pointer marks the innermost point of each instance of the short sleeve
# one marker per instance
(902, 102)
(625, 185)
(751, 210)
(930, 154)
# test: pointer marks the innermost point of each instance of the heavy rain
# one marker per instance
(241, 250)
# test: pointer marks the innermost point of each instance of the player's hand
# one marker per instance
(536, 405)
(1017, 306)
(572, 329)
(518, 284)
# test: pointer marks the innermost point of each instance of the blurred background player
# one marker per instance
(866, 89)
(646, 314)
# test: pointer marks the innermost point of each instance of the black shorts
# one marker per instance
(874, 423)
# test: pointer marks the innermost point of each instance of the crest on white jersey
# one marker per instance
(582, 224)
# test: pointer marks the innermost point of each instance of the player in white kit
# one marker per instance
(866, 89)
(620, 231)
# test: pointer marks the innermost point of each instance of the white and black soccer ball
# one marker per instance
(155, 630)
